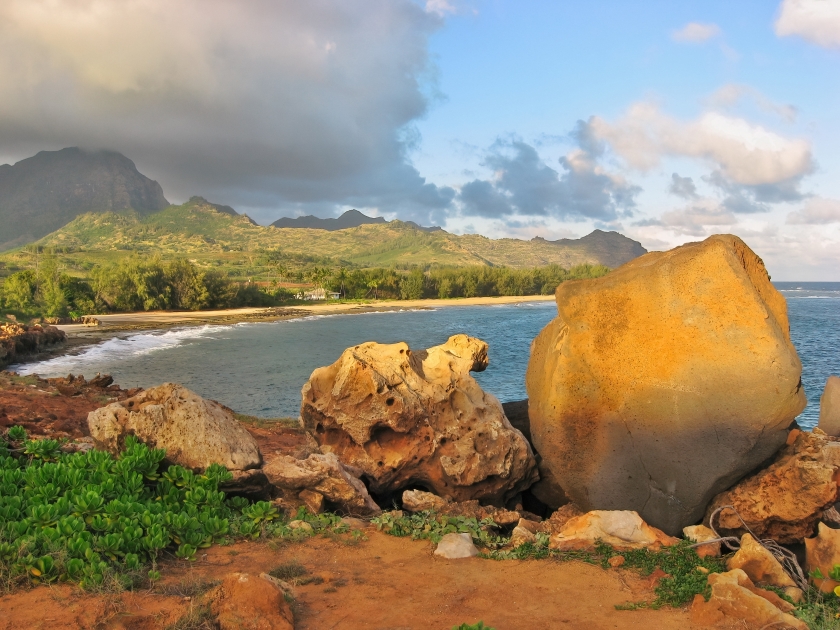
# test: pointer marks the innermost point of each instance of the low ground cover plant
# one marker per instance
(85, 517)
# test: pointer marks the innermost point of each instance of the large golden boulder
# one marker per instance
(664, 382)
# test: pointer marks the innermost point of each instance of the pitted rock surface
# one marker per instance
(785, 500)
(664, 382)
(418, 419)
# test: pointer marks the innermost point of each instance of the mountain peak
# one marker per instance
(42, 193)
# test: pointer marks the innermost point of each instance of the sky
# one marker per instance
(666, 121)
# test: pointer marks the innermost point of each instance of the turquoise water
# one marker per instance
(259, 368)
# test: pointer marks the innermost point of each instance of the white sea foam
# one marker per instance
(120, 348)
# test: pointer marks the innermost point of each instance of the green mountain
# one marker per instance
(351, 218)
(204, 232)
(45, 192)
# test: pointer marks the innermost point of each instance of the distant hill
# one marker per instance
(612, 248)
(40, 194)
(202, 231)
(350, 219)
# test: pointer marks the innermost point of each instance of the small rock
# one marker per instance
(830, 407)
(245, 602)
(521, 536)
(623, 530)
(831, 517)
(823, 552)
(301, 525)
(314, 501)
(562, 516)
(699, 534)
(324, 474)
(531, 526)
(759, 564)
(735, 597)
(419, 501)
(616, 561)
(454, 546)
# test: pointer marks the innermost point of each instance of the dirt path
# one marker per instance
(377, 584)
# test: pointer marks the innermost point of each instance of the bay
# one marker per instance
(259, 368)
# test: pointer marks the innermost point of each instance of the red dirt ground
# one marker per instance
(382, 583)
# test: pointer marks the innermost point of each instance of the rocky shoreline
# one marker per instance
(19, 342)
(660, 416)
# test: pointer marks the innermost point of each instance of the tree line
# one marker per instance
(137, 284)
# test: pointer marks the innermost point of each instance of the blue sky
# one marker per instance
(666, 121)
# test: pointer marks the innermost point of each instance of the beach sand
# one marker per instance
(118, 324)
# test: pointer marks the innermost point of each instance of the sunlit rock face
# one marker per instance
(418, 419)
(664, 382)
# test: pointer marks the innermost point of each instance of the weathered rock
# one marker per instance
(785, 500)
(736, 598)
(419, 501)
(830, 407)
(560, 517)
(247, 602)
(472, 509)
(701, 534)
(520, 536)
(409, 419)
(759, 564)
(193, 431)
(455, 546)
(622, 530)
(322, 473)
(314, 501)
(823, 552)
(18, 341)
(531, 526)
(649, 369)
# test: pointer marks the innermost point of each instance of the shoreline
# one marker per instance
(114, 325)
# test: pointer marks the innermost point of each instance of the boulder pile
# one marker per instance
(18, 340)
(664, 382)
(418, 419)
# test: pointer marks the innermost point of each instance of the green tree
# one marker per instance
(187, 286)
(19, 291)
(411, 286)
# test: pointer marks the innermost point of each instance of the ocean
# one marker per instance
(259, 368)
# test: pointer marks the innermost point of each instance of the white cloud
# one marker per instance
(817, 21)
(817, 211)
(695, 218)
(746, 153)
(696, 32)
(731, 94)
(440, 7)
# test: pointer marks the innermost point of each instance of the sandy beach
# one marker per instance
(118, 324)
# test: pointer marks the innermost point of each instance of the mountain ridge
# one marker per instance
(42, 193)
(349, 219)
(198, 229)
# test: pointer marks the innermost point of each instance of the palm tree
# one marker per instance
(373, 284)
(342, 278)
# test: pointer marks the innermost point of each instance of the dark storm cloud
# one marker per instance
(265, 104)
(523, 184)
(682, 187)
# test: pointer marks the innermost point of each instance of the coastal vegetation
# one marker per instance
(49, 287)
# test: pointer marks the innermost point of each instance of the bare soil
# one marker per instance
(377, 584)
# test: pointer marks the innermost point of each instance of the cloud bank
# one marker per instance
(273, 103)
(817, 21)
